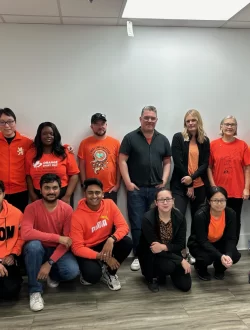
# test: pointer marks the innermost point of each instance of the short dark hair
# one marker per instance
(91, 181)
(49, 178)
(2, 186)
(7, 112)
(213, 190)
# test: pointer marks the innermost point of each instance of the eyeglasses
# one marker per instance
(147, 118)
(229, 124)
(8, 122)
(163, 200)
(218, 201)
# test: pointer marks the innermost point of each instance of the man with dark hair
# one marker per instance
(13, 147)
(98, 155)
(99, 248)
(46, 226)
(145, 167)
(10, 247)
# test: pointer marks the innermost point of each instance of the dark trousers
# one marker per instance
(19, 200)
(138, 203)
(204, 258)
(154, 265)
(112, 195)
(91, 269)
(236, 205)
(10, 285)
(62, 193)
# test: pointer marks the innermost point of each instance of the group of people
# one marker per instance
(58, 243)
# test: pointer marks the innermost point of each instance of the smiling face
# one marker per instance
(50, 191)
(164, 201)
(191, 123)
(229, 127)
(94, 196)
(7, 126)
(47, 136)
(99, 128)
(148, 121)
(218, 202)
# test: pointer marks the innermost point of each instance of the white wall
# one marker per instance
(64, 74)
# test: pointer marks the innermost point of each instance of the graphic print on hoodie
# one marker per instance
(89, 228)
(10, 221)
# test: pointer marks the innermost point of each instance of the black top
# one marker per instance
(145, 160)
(199, 232)
(150, 233)
(180, 151)
(9, 140)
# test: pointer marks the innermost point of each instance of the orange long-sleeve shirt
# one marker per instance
(12, 163)
(89, 228)
(10, 221)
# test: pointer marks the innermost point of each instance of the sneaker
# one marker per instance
(135, 265)
(111, 280)
(153, 286)
(51, 283)
(83, 282)
(203, 274)
(162, 280)
(36, 302)
(219, 275)
(190, 259)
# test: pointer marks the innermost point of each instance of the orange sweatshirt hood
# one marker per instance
(10, 220)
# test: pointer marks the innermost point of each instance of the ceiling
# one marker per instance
(99, 12)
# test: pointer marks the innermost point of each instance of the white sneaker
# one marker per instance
(135, 265)
(111, 280)
(83, 282)
(36, 302)
(190, 259)
(51, 283)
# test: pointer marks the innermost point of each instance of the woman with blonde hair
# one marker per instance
(229, 166)
(190, 152)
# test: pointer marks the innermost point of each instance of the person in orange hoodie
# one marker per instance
(10, 247)
(98, 232)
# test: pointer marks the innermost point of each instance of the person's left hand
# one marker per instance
(44, 271)
(115, 188)
(162, 185)
(71, 149)
(187, 180)
(8, 260)
(66, 199)
(107, 249)
(190, 193)
(157, 247)
(245, 194)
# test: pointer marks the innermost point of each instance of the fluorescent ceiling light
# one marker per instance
(214, 10)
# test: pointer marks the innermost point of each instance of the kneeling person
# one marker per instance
(10, 247)
(99, 247)
(46, 225)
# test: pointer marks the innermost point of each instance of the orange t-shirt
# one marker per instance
(12, 163)
(49, 163)
(193, 161)
(101, 159)
(216, 228)
(227, 161)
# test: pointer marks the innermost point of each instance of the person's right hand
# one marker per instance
(113, 263)
(186, 266)
(3, 271)
(67, 241)
(190, 193)
(226, 261)
(131, 187)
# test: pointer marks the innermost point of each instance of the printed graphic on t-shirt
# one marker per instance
(100, 159)
(100, 224)
(20, 151)
(45, 164)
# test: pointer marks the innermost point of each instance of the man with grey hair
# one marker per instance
(144, 162)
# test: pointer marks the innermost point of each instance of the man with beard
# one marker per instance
(46, 226)
(98, 156)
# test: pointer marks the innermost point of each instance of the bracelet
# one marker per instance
(114, 238)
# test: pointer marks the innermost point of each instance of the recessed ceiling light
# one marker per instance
(214, 10)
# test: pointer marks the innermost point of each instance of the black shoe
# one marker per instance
(153, 285)
(162, 280)
(219, 275)
(203, 274)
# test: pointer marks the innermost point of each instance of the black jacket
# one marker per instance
(199, 235)
(151, 233)
(180, 151)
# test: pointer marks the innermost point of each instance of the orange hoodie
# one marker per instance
(89, 228)
(10, 220)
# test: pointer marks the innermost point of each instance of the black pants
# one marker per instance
(10, 285)
(236, 205)
(91, 269)
(19, 200)
(204, 259)
(154, 265)
(112, 195)
(62, 194)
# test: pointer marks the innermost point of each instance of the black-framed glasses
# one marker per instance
(163, 200)
(229, 124)
(8, 122)
(218, 201)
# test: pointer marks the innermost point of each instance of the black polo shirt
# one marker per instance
(145, 160)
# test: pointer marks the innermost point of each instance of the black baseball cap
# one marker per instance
(98, 116)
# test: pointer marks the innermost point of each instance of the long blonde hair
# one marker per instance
(201, 135)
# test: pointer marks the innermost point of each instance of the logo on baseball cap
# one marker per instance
(98, 116)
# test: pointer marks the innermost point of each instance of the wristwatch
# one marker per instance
(51, 262)
(114, 238)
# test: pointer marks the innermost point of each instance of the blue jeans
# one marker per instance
(138, 203)
(35, 254)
